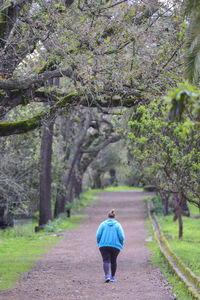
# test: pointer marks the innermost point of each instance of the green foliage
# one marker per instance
(191, 6)
(63, 223)
(157, 204)
(166, 153)
(24, 229)
(193, 41)
(182, 100)
(85, 200)
(133, 177)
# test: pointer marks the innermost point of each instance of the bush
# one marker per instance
(133, 178)
(157, 203)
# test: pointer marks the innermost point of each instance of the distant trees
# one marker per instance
(91, 134)
(107, 161)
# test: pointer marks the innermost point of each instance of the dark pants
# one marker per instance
(109, 256)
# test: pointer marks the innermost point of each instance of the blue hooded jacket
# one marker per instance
(110, 234)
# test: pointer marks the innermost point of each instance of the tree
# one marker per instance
(192, 11)
(184, 98)
(168, 155)
(107, 161)
(19, 174)
(98, 52)
(45, 213)
(105, 54)
(92, 135)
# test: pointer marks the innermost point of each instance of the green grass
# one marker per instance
(20, 247)
(157, 259)
(18, 253)
(186, 248)
(122, 188)
(193, 210)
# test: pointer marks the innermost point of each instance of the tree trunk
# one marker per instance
(97, 181)
(45, 213)
(77, 182)
(113, 177)
(65, 197)
(70, 196)
(166, 206)
(177, 214)
(180, 223)
(184, 207)
(4, 220)
(59, 205)
(165, 201)
(73, 159)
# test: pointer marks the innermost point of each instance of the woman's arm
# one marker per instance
(99, 233)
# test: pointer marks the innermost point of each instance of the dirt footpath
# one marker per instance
(73, 269)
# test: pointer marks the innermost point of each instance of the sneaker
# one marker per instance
(107, 278)
(112, 278)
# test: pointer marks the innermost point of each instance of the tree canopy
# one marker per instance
(107, 53)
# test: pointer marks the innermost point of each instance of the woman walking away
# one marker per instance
(110, 240)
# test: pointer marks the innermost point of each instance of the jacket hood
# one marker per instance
(111, 222)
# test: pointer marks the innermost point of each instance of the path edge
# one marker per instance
(190, 280)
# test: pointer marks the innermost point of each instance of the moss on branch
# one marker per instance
(23, 126)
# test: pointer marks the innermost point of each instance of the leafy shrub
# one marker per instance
(133, 178)
(157, 203)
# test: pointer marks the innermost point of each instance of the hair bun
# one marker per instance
(111, 214)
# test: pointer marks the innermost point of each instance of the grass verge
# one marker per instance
(157, 259)
(20, 249)
(18, 254)
(187, 248)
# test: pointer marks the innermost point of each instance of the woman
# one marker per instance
(110, 240)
